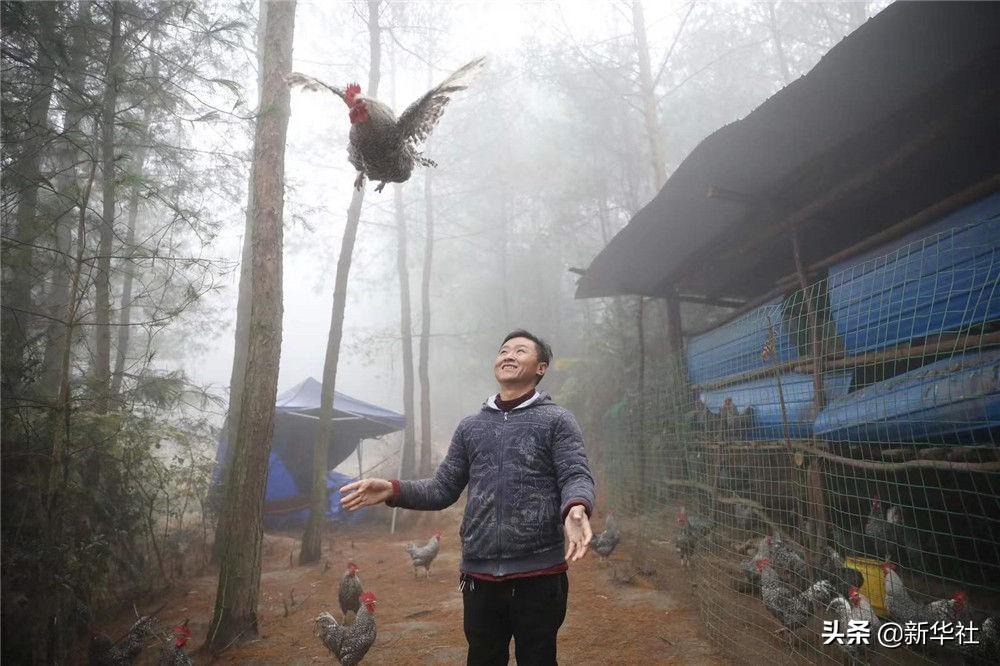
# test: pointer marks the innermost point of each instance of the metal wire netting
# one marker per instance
(846, 432)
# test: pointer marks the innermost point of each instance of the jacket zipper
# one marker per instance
(500, 500)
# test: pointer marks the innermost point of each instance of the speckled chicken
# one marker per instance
(175, 654)
(855, 607)
(423, 556)
(876, 529)
(788, 563)
(904, 609)
(986, 651)
(750, 582)
(349, 594)
(349, 643)
(791, 608)
(831, 567)
(105, 652)
(382, 147)
(693, 528)
(605, 542)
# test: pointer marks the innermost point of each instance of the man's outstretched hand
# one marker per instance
(366, 492)
(577, 531)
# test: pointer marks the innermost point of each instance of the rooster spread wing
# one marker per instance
(314, 85)
(419, 119)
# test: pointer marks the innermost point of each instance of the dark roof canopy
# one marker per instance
(900, 115)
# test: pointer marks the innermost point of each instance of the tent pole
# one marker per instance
(360, 468)
(399, 473)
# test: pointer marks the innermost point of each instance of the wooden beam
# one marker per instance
(858, 179)
(930, 214)
(721, 302)
(945, 345)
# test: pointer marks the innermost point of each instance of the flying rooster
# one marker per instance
(383, 147)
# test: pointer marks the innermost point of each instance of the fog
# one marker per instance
(521, 182)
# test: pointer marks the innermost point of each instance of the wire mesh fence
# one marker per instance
(828, 463)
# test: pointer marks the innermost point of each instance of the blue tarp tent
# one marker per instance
(296, 420)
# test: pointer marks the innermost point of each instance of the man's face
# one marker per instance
(517, 362)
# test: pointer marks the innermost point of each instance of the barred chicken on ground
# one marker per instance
(349, 594)
(855, 607)
(904, 609)
(788, 563)
(693, 528)
(750, 582)
(831, 567)
(175, 655)
(349, 643)
(986, 651)
(423, 556)
(105, 652)
(791, 608)
(382, 147)
(605, 542)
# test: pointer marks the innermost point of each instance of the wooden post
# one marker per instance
(814, 473)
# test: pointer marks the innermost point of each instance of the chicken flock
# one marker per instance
(792, 591)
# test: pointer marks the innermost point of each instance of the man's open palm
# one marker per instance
(578, 533)
(366, 492)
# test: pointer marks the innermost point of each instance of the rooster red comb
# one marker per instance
(761, 563)
(888, 566)
(960, 598)
(353, 90)
(181, 634)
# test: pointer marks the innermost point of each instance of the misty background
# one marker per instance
(542, 160)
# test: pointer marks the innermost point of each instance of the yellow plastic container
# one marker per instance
(872, 581)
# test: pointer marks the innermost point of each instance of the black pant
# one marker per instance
(529, 609)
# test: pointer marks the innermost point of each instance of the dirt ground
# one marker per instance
(420, 620)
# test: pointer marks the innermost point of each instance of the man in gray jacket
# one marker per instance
(522, 458)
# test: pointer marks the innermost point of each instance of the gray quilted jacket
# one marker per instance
(524, 469)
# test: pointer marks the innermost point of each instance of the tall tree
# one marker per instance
(241, 346)
(424, 360)
(312, 537)
(102, 282)
(69, 156)
(235, 615)
(409, 462)
(24, 176)
(406, 334)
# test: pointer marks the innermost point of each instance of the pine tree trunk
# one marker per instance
(235, 616)
(66, 186)
(125, 314)
(406, 336)
(312, 537)
(423, 364)
(102, 281)
(23, 177)
(237, 374)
